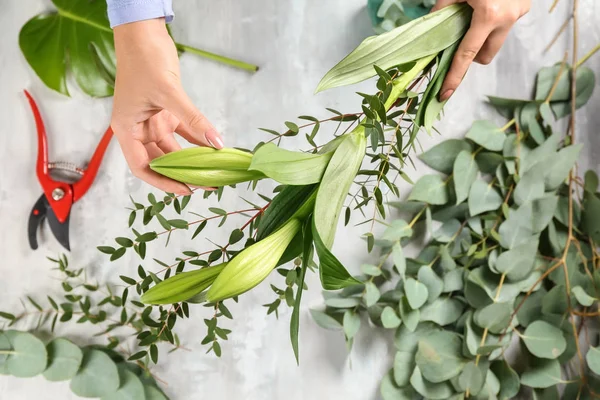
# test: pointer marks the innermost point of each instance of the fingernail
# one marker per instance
(446, 95)
(214, 139)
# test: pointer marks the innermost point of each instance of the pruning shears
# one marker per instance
(58, 197)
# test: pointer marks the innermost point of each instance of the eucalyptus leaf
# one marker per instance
(430, 189)
(404, 365)
(542, 374)
(64, 360)
(487, 135)
(593, 359)
(391, 391)
(351, 323)
(544, 340)
(416, 293)
(325, 321)
(29, 357)
(509, 380)
(131, 387)
(410, 317)
(439, 356)
(495, 317)
(518, 262)
(582, 297)
(443, 311)
(430, 390)
(483, 197)
(441, 157)
(432, 281)
(97, 377)
(464, 174)
(563, 163)
(389, 318)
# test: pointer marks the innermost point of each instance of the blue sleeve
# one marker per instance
(126, 11)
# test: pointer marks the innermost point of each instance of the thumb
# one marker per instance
(193, 126)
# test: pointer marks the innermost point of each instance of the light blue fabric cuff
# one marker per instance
(125, 11)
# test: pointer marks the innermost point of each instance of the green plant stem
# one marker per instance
(7, 352)
(216, 57)
(588, 55)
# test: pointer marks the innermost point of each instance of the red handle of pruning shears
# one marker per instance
(61, 205)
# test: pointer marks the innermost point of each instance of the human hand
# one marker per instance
(150, 103)
(490, 24)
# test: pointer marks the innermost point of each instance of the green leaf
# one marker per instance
(29, 357)
(517, 228)
(543, 210)
(290, 167)
(555, 301)
(509, 380)
(518, 262)
(447, 232)
(307, 255)
(106, 249)
(235, 236)
(441, 157)
(544, 340)
(337, 180)
(530, 186)
(432, 281)
(372, 294)
(397, 230)
(78, 31)
(410, 317)
(416, 293)
(443, 311)
(439, 356)
(542, 374)
(430, 390)
(488, 162)
(559, 168)
(131, 387)
(325, 321)
(582, 297)
(153, 393)
(389, 318)
(487, 135)
(454, 280)
(64, 360)
(430, 189)
(332, 273)
(351, 323)
(97, 377)
(419, 38)
(593, 359)
(391, 391)
(342, 302)
(483, 198)
(471, 378)
(494, 317)
(399, 259)
(464, 174)
(371, 270)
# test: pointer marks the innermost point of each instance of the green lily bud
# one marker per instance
(205, 166)
(253, 265)
(182, 287)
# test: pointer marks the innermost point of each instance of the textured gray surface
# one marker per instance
(294, 42)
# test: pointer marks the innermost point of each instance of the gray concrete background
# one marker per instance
(294, 42)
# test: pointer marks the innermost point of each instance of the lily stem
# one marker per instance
(216, 57)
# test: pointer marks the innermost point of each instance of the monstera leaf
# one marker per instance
(77, 37)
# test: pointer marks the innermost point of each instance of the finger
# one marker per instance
(465, 54)
(153, 151)
(168, 144)
(194, 126)
(138, 159)
(492, 46)
(444, 3)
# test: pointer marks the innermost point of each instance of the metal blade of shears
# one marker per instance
(60, 230)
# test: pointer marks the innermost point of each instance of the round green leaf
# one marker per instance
(509, 380)
(131, 387)
(433, 283)
(483, 197)
(97, 377)
(5, 348)
(410, 317)
(431, 189)
(351, 323)
(439, 356)
(582, 297)
(487, 135)
(416, 293)
(389, 318)
(544, 340)
(542, 374)
(391, 391)
(471, 378)
(464, 174)
(593, 359)
(430, 390)
(372, 294)
(29, 357)
(64, 360)
(441, 157)
(495, 317)
(443, 311)
(404, 364)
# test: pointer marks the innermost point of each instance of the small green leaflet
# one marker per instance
(487, 135)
